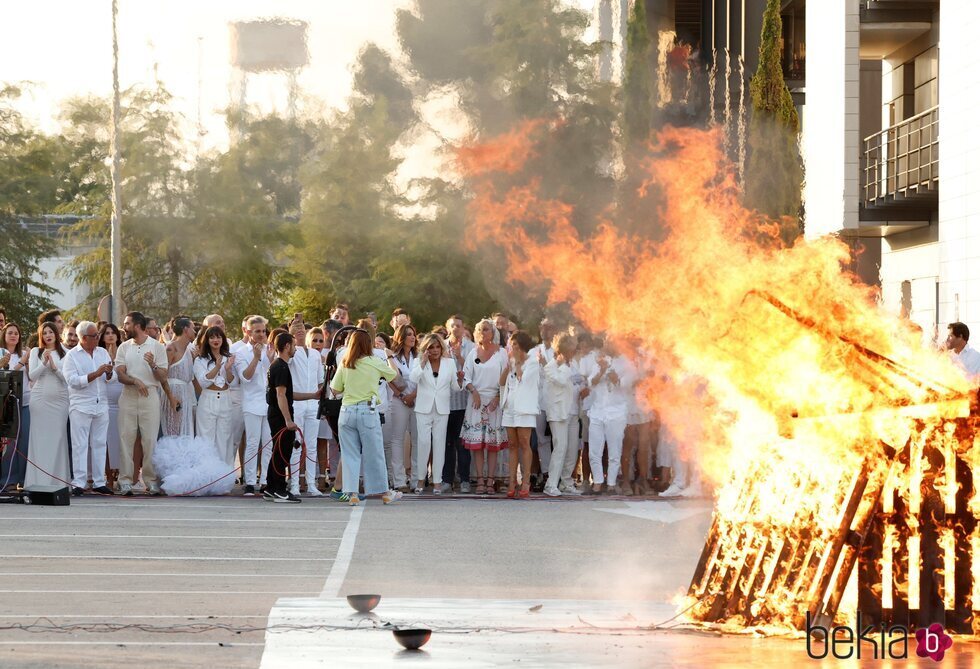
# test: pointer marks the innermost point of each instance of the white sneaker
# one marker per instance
(552, 492)
(569, 490)
(313, 491)
(391, 497)
(464, 487)
(673, 491)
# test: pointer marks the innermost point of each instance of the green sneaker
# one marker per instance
(339, 496)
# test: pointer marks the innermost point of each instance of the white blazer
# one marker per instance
(434, 393)
(521, 396)
(560, 390)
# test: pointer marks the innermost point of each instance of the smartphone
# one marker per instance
(298, 316)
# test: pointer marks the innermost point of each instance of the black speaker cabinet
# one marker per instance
(11, 394)
(47, 495)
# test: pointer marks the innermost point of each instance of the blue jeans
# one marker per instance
(360, 440)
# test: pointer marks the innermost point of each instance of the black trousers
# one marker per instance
(282, 449)
(457, 458)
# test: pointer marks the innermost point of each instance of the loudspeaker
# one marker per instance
(11, 392)
(47, 495)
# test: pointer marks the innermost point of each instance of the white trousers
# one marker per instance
(564, 437)
(544, 442)
(609, 431)
(305, 418)
(432, 437)
(257, 436)
(237, 419)
(402, 419)
(214, 422)
(89, 434)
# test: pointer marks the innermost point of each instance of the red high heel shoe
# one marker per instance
(524, 494)
(511, 494)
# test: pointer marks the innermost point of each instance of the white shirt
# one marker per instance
(561, 391)
(253, 390)
(520, 396)
(306, 368)
(84, 396)
(549, 355)
(203, 366)
(969, 361)
(609, 400)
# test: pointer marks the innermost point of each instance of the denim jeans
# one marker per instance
(360, 440)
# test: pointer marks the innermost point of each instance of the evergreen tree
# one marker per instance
(638, 81)
(774, 171)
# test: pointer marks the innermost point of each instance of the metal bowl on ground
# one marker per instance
(363, 603)
(412, 639)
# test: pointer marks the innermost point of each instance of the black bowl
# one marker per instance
(363, 603)
(412, 639)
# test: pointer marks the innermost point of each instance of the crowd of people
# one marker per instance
(338, 408)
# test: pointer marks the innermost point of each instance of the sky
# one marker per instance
(64, 47)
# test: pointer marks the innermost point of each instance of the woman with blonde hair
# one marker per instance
(357, 377)
(434, 373)
(482, 431)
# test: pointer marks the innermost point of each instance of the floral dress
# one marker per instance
(481, 427)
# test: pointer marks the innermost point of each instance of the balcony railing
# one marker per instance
(901, 163)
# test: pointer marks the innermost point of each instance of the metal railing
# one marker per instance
(903, 160)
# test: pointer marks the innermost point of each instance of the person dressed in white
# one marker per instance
(214, 370)
(86, 370)
(544, 444)
(482, 432)
(561, 406)
(252, 368)
(109, 339)
(519, 380)
(141, 363)
(306, 368)
(48, 445)
(435, 375)
(177, 409)
(401, 408)
(965, 356)
(610, 381)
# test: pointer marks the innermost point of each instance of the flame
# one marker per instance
(777, 372)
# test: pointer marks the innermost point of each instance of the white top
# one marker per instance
(83, 396)
(404, 366)
(485, 375)
(609, 400)
(14, 359)
(581, 364)
(39, 373)
(203, 365)
(130, 355)
(306, 368)
(434, 391)
(969, 361)
(520, 396)
(549, 355)
(253, 390)
(560, 391)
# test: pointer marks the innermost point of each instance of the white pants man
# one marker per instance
(609, 431)
(237, 420)
(257, 438)
(432, 437)
(564, 437)
(305, 418)
(545, 443)
(89, 434)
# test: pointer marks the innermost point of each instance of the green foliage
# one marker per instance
(774, 174)
(29, 184)
(638, 81)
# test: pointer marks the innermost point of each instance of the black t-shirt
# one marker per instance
(279, 375)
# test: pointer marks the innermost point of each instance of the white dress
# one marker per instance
(180, 377)
(113, 391)
(48, 446)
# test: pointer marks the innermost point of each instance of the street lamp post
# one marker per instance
(115, 249)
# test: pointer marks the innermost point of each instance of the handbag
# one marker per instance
(329, 407)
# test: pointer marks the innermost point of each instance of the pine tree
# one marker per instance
(774, 175)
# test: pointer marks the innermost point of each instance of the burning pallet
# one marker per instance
(785, 541)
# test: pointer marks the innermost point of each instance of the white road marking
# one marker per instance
(344, 555)
(660, 512)
(103, 591)
(141, 574)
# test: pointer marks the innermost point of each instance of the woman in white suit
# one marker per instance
(435, 373)
(519, 381)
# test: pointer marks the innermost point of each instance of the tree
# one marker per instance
(774, 174)
(638, 81)
(30, 185)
